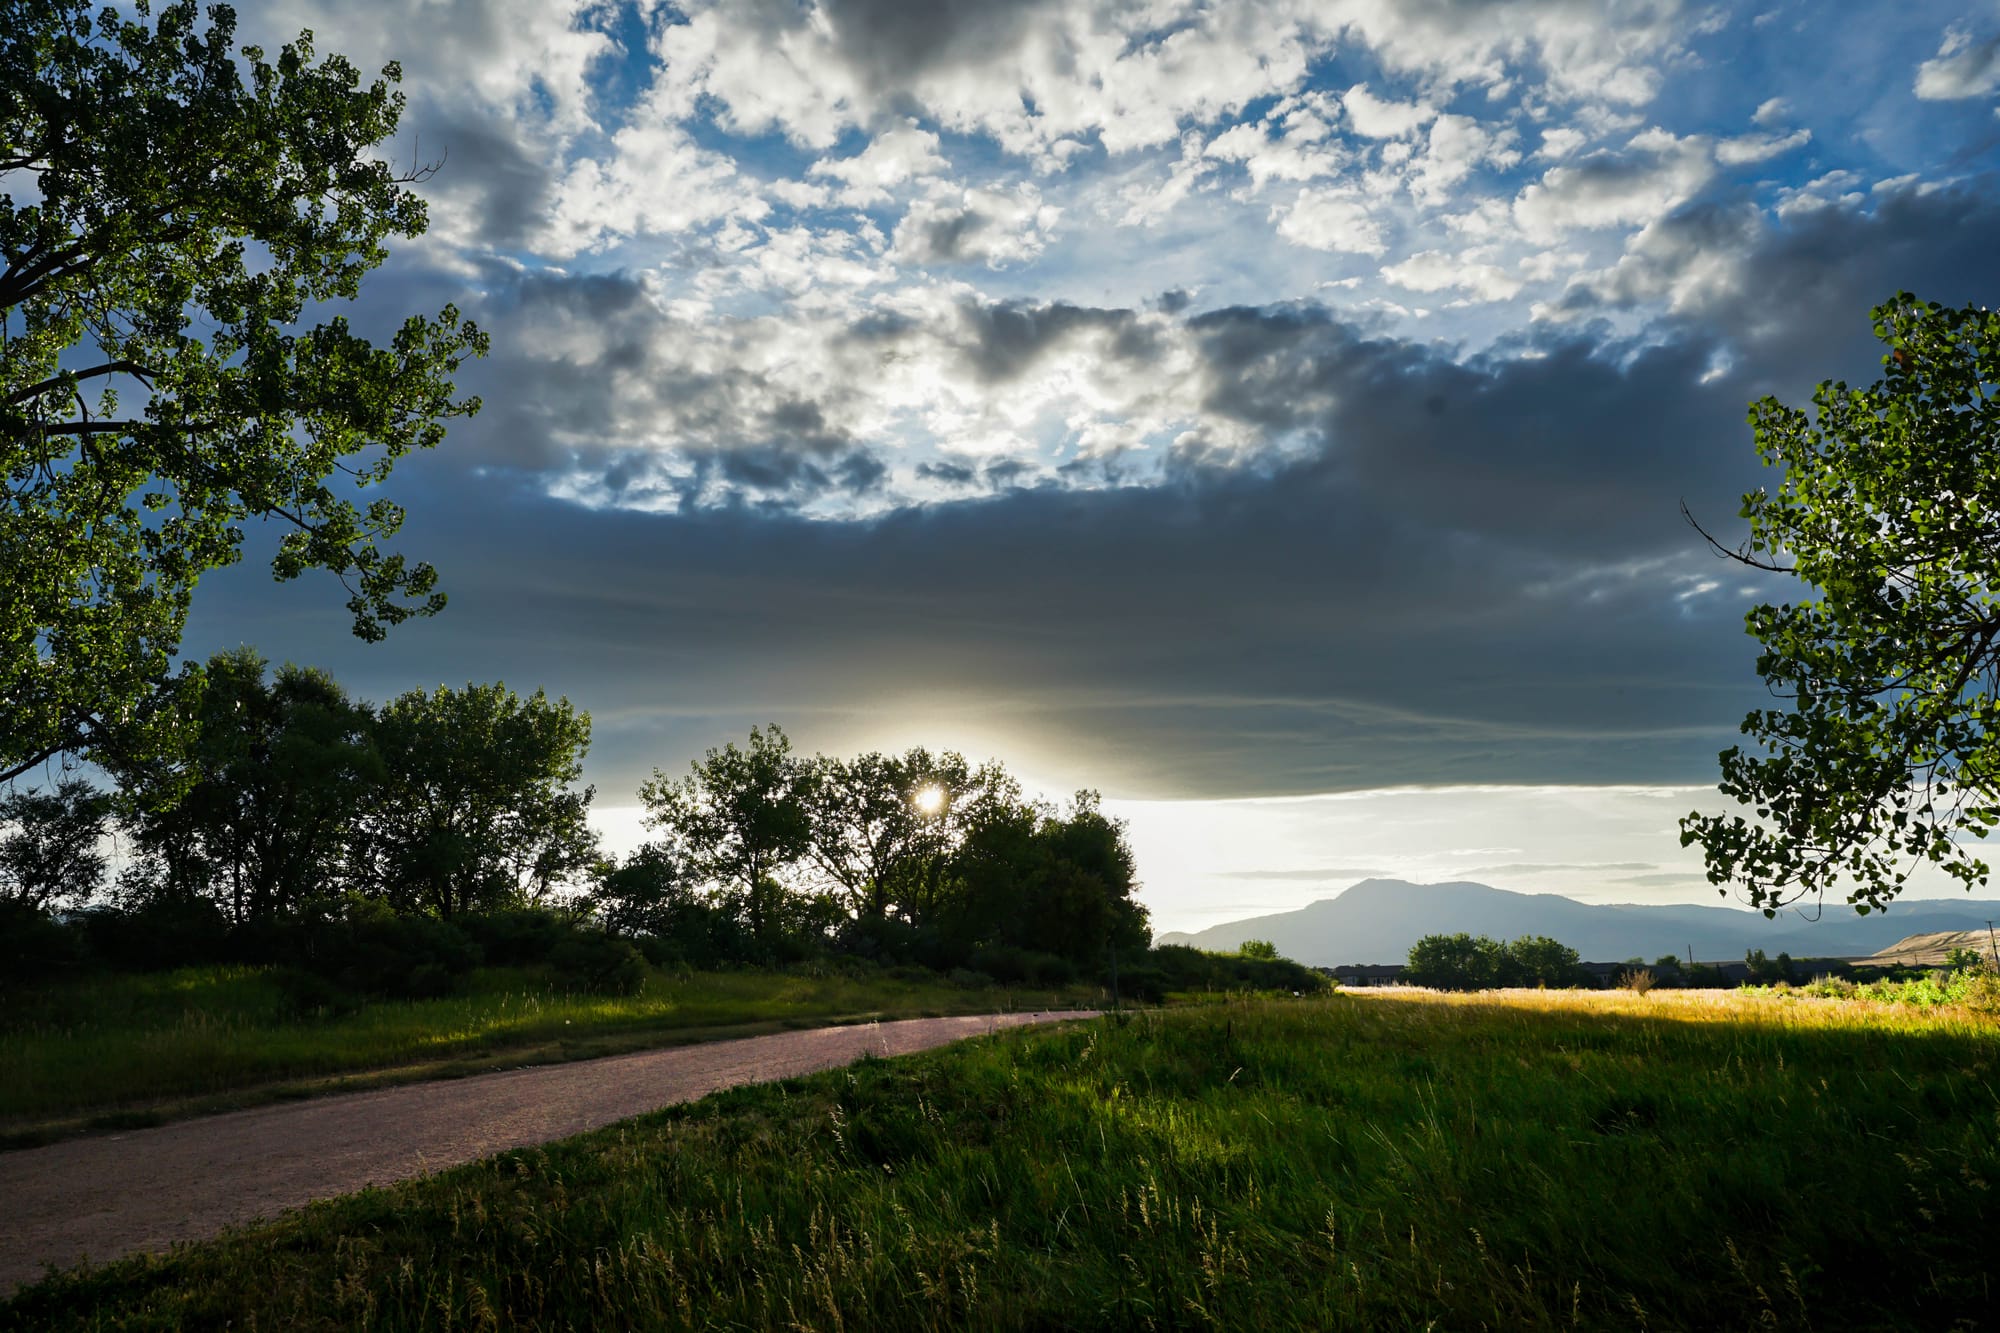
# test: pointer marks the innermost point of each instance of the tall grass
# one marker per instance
(1530, 1161)
(120, 1041)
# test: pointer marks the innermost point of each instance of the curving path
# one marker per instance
(104, 1198)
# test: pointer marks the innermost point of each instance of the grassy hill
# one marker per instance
(1532, 1161)
(1932, 948)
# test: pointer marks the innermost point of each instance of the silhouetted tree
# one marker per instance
(737, 821)
(51, 843)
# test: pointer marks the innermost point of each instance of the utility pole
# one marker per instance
(1993, 946)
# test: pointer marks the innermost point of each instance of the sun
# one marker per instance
(928, 800)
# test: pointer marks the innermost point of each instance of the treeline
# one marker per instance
(1475, 962)
(446, 827)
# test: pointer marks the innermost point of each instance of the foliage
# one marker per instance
(157, 389)
(1258, 949)
(261, 811)
(1966, 960)
(738, 819)
(882, 827)
(51, 851)
(1454, 962)
(477, 806)
(1350, 1163)
(1537, 960)
(1468, 962)
(594, 963)
(1888, 513)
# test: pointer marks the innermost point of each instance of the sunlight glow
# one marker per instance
(928, 800)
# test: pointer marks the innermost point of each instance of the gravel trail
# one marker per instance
(104, 1198)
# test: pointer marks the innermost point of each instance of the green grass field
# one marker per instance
(116, 1048)
(1374, 1161)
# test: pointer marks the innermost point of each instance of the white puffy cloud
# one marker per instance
(1437, 271)
(1839, 186)
(891, 159)
(1296, 142)
(1655, 173)
(655, 181)
(1132, 74)
(1377, 118)
(1456, 146)
(1750, 148)
(1772, 112)
(1559, 141)
(534, 57)
(975, 225)
(1331, 218)
(1962, 67)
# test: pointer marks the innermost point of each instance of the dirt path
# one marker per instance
(104, 1198)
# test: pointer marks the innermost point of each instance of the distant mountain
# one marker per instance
(1377, 920)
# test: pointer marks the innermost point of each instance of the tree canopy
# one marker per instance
(169, 218)
(1883, 754)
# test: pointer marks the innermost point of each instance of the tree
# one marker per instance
(1261, 949)
(1027, 877)
(51, 850)
(1455, 962)
(261, 810)
(1888, 514)
(478, 805)
(1537, 960)
(164, 227)
(884, 827)
(738, 820)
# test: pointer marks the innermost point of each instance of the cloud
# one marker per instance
(1436, 271)
(1750, 148)
(1377, 118)
(891, 160)
(1331, 218)
(1654, 173)
(993, 227)
(1963, 67)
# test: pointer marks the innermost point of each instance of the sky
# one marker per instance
(1275, 415)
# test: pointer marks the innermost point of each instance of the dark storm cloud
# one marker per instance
(1460, 572)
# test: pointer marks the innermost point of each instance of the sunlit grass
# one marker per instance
(121, 1041)
(1361, 1161)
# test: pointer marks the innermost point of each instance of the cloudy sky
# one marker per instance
(1275, 414)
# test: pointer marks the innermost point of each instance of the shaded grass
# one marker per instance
(117, 1049)
(1354, 1162)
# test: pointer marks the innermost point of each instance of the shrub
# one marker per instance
(595, 963)
(1023, 967)
(373, 951)
(518, 936)
(33, 945)
(1638, 981)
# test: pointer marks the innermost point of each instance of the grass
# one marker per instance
(1526, 1161)
(119, 1050)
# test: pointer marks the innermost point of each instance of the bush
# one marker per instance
(1014, 966)
(310, 995)
(372, 951)
(33, 945)
(157, 935)
(519, 936)
(1638, 981)
(594, 963)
